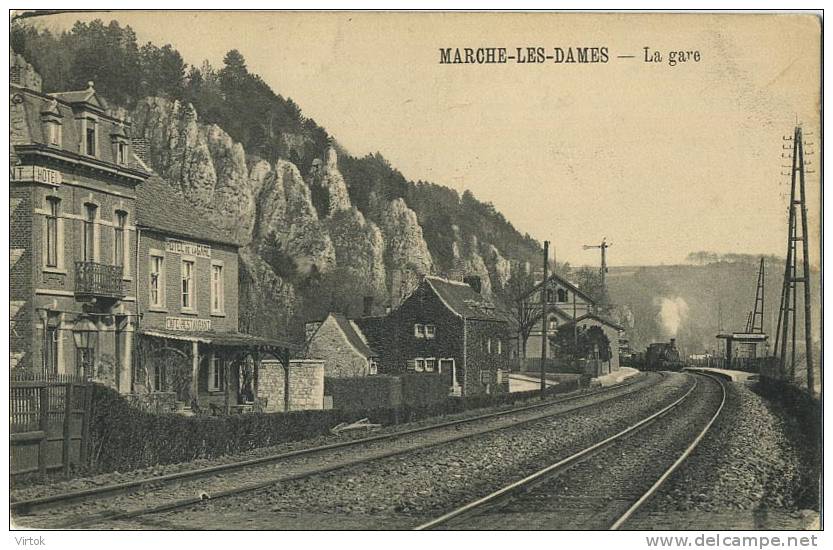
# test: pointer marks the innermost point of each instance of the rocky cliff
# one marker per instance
(310, 220)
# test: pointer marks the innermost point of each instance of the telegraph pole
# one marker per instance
(544, 320)
(787, 316)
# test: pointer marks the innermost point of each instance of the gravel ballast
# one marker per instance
(426, 482)
(746, 468)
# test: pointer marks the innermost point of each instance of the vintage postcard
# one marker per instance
(342, 270)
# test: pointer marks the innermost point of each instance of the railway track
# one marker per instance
(604, 484)
(168, 492)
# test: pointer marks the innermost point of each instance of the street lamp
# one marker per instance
(85, 334)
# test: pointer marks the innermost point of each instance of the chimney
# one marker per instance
(673, 342)
(367, 310)
(474, 282)
(140, 148)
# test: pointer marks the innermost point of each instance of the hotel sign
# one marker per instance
(188, 249)
(36, 173)
(187, 324)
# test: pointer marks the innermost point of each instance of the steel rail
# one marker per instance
(553, 469)
(23, 507)
(658, 483)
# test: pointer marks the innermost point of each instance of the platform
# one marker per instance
(733, 375)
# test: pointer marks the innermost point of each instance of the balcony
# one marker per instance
(94, 280)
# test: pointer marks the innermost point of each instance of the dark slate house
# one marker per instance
(444, 327)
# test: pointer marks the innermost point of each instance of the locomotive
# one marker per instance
(662, 356)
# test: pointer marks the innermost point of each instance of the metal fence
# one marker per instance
(48, 424)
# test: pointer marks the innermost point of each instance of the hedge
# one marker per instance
(364, 392)
(126, 438)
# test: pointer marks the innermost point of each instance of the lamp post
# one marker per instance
(85, 334)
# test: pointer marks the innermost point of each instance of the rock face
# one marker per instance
(406, 246)
(22, 73)
(328, 181)
(269, 206)
(360, 248)
(468, 261)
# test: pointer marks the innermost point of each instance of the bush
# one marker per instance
(423, 389)
(126, 438)
(364, 392)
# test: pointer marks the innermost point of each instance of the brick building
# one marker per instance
(72, 234)
(444, 327)
(187, 289)
(113, 275)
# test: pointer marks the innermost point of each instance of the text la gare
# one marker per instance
(673, 57)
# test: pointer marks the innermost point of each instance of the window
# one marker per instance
(157, 281)
(158, 378)
(562, 295)
(188, 284)
(553, 323)
(118, 239)
(374, 367)
(89, 232)
(419, 364)
(217, 288)
(121, 153)
(215, 374)
(500, 347)
(50, 352)
(430, 364)
(430, 331)
(54, 133)
(419, 331)
(90, 137)
(53, 205)
(549, 295)
(488, 345)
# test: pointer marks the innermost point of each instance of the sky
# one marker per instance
(662, 160)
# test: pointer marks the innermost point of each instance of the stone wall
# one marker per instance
(340, 358)
(306, 384)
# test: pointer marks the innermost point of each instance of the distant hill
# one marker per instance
(682, 301)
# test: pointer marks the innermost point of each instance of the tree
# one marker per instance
(582, 344)
(589, 280)
(516, 295)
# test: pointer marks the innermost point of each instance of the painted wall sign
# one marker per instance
(38, 174)
(187, 324)
(188, 249)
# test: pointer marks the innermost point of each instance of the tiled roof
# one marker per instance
(353, 335)
(222, 339)
(463, 300)
(563, 282)
(599, 318)
(162, 208)
(31, 131)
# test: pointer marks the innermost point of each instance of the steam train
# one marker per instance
(660, 356)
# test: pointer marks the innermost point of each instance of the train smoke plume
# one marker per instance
(672, 312)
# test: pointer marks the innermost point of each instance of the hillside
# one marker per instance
(682, 301)
(322, 228)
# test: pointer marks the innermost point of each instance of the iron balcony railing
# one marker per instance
(98, 280)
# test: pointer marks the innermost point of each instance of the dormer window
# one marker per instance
(53, 133)
(120, 144)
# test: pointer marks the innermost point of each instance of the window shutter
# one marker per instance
(411, 364)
